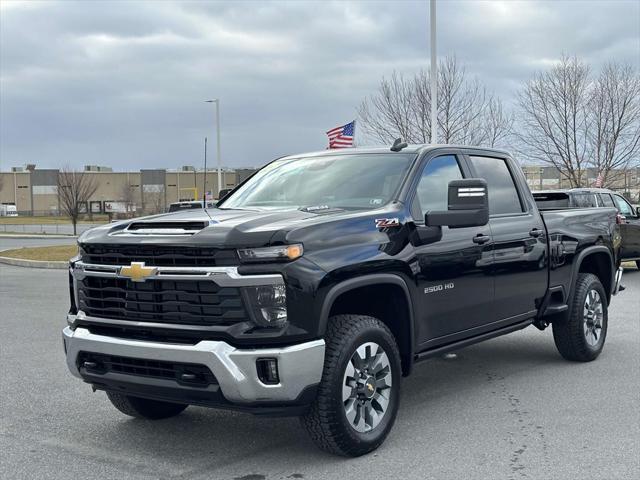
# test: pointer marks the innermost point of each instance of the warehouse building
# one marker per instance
(35, 191)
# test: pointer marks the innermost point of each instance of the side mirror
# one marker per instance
(638, 211)
(223, 193)
(468, 205)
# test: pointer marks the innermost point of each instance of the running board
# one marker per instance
(437, 351)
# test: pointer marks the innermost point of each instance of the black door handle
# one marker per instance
(535, 232)
(480, 239)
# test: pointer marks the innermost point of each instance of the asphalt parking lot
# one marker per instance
(509, 408)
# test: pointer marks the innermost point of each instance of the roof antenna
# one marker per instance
(398, 145)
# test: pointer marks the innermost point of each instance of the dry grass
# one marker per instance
(51, 254)
(50, 220)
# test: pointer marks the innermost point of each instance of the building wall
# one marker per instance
(15, 187)
(149, 190)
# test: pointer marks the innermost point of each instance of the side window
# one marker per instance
(432, 189)
(584, 200)
(623, 206)
(503, 195)
(606, 200)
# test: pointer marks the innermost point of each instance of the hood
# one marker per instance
(211, 227)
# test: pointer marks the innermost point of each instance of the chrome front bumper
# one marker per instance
(299, 366)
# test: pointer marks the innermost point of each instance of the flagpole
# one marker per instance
(354, 134)
(434, 75)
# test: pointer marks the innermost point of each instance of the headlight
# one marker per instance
(268, 304)
(282, 252)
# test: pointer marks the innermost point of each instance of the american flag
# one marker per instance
(342, 136)
(599, 181)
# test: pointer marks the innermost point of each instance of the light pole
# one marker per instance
(204, 186)
(434, 74)
(217, 102)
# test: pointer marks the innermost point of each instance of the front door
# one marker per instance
(455, 289)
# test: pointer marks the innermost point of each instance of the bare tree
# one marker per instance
(467, 113)
(128, 197)
(554, 118)
(154, 201)
(572, 122)
(615, 132)
(74, 190)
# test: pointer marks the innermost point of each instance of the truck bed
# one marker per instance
(571, 230)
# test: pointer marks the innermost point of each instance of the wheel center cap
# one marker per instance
(369, 387)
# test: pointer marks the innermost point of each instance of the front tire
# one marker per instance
(359, 393)
(580, 337)
(144, 408)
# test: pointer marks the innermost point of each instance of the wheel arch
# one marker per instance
(597, 260)
(384, 296)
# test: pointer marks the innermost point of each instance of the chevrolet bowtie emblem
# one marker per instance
(137, 272)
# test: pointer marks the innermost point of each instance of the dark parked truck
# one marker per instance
(318, 283)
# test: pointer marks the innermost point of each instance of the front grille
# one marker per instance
(189, 302)
(184, 373)
(158, 255)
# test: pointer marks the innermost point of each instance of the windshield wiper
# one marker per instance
(320, 209)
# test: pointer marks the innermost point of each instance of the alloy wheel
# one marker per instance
(593, 314)
(366, 388)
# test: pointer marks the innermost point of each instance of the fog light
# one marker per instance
(268, 370)
(268, 304)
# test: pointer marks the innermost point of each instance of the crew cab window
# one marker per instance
(503, 195)
(434, 183)
(606, 200)
(623, 206)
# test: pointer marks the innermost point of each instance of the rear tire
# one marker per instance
(580, 336)
(144, 408)
(359, 393)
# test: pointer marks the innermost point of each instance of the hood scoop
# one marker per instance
(163, 228)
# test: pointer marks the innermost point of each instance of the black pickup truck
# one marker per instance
(319, 282)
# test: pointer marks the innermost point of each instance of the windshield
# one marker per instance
(358, 181)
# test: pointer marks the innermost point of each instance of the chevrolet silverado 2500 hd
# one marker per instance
(319, 282)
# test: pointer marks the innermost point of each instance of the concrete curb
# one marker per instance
(19, 262)
(37, 235)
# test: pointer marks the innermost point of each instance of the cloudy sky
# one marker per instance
(123, 83)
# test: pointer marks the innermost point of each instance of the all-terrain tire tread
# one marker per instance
(568, 334)
(323, 422)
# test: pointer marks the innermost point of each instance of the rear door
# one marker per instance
(452, 271)
(519, 264)
(630, 229)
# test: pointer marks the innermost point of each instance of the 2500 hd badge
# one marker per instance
(439, 288)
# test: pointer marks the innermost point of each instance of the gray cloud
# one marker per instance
(123, 83)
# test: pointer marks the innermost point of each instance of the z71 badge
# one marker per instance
(387, 222)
